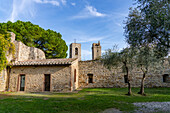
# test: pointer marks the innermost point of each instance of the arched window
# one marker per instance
(76, 51)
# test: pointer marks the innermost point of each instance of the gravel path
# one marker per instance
(145, 107)
(152, 107)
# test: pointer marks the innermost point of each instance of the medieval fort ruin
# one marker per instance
(32, 72)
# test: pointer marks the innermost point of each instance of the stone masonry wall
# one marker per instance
(23, 52)
(2, 80)
(102, 77)
(74, 71)
(29, 53)
(96, 50)
(34, 78)
(72, 51)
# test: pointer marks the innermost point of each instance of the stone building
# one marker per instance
(96, 50)
(75, 51)
(32, 72)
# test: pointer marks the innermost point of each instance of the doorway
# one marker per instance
(22, 82)
(47, 82)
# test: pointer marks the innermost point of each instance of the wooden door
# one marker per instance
(47, 82)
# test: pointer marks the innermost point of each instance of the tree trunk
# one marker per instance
(142, 85)
(129, 85)
(129, 88)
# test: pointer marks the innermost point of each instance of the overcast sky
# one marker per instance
(87, 21)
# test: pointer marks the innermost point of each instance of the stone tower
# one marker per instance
(96, 50)
(75, 51)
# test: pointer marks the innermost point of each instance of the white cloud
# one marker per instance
(88, 12)
(93, 11)
(21, 7)
(53, 2)
(73, 4)
(26, 7)
(63, 2)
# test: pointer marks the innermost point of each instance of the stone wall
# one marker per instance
(102, 77)
(74, 75)
(70, 77)
(29, 53)
(34, 81)
(23, 52)
(2, 80)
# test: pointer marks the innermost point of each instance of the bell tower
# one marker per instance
(75, 50)
(96, 50)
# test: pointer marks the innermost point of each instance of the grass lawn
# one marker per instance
(85, 101)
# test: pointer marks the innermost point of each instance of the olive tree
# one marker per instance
(123, 59)
(149, 23)
(146, 60)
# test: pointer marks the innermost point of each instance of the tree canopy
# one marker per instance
(32, 35)
(149, 23)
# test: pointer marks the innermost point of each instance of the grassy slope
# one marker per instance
(86, 101)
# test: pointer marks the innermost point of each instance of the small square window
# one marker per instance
(90, 78)
(165, 78)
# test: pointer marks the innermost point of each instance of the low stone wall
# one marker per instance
(103, 77)
(34, 78)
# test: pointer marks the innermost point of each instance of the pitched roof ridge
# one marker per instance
(46, 61)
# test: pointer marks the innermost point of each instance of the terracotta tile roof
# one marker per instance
(64, 61)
